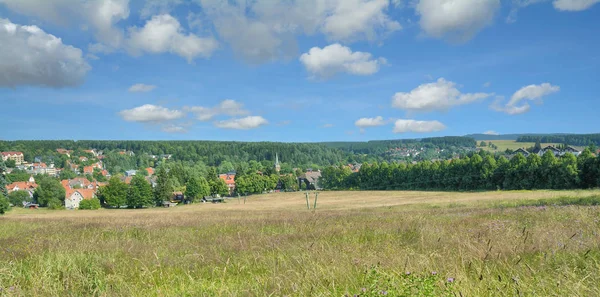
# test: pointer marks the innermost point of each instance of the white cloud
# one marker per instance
(141, 88)
(163, 33)
(404, 126)
(369, 122)
(103, 15)
(262, 31)
(439, 95)
(491, 132)
(336, 58)
(173, 128)
(457, 20)
(30, 56)
(530, 92)
(573, 5)
(154, 7)
(246, 123)
(226, 107)
(149, 113)
(359, 19)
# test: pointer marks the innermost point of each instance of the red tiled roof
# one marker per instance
(228, 178)
(150, 170)
(12, 153)
(86, 193)
(88, 169)
(21, 186)
(104, 172)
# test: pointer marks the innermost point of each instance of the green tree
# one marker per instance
(586, 164)
(10, 163)
(218, 186)
(4, 204)
(115, 193)
(49, 190)
(16, 198)
(204, 187)
(90, 204)
(67, 174)
(192, 189)
(164, 188)
(140, 193)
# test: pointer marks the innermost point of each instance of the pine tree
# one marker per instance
(163, 189)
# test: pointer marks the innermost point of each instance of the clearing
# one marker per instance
(478, 244)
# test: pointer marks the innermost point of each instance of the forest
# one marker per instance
(477, 172)
(569, 139)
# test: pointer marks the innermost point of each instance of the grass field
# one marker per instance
(478, 244)
(510, 144)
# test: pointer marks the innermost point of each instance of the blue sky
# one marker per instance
(314, 70)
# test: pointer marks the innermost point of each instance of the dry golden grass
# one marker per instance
(273, 246)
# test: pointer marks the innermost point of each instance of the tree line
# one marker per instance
(479, 171)
(570, 139)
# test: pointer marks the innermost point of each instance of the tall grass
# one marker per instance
(199, 250)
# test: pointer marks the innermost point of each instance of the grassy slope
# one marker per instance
(273, 246)
(510, 144)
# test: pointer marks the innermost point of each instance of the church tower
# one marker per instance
(277, 166)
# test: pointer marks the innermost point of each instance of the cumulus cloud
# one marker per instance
(573, 5)
(163, 33)
(491, 132)
(154, 7)
(262, 31)
(530, 92)
(226, 107)
(439, 95)
(30, 56)
(246, 123)
(141, 88)
(404, 126)
(457, 20)
(336, 58)
(173, 128)
(149, 113)
(369, 122)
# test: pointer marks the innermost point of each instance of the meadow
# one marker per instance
(521, 243)
(503, 145)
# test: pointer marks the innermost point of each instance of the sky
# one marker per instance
(297, 70)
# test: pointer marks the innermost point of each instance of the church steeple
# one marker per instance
(277, 166)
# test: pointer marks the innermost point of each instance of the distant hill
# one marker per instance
(515, 137)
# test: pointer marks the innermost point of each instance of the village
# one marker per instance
(91, 174)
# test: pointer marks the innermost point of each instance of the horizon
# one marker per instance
(295, 71)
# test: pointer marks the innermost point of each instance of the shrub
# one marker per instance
(90, 204)
(55, 203)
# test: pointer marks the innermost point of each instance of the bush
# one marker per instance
(55, 204)
(89, 204)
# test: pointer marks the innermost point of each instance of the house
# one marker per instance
(127, 153)
(572, 150)
(88, 170)
(79, 182)
(229, 180)
(355, 167)
(41, 168)
(130, 172)
(64, 152)
(550, 148)
(15, 156)
(74, 196)
(28, 186)
(523, 152)
(105, 173)
(150, 171)
(92, 151)
(98, 165)
(30, 205)
(311, 179)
